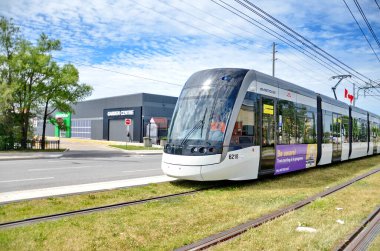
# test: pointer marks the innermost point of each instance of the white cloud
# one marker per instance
(152, 39)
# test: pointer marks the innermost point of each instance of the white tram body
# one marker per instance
(238, 124)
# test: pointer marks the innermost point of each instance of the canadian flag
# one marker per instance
(349, 96)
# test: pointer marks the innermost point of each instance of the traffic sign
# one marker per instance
(128, 122)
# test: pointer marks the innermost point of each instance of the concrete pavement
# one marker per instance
(81, 148)
(75, 189)
(87, 166)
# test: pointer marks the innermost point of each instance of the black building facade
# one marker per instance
(105, 118)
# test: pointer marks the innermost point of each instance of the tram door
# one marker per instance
(268, 127)
(337, 137)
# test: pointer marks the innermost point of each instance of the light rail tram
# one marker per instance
(239, 124)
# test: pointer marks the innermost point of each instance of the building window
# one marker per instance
(81, 129)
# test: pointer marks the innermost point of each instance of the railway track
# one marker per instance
(362, 237)
(242, 228)
(96, 209)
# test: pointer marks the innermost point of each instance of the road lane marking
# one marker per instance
(57, 168)
(9, 181)
(141, 170)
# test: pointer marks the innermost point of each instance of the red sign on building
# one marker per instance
(128, 122)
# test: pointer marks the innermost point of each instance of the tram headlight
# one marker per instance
(203, 150)
(194, 149)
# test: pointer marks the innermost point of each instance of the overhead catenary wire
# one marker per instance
(366, 21)
(196, 17)
(344, 69)
(378, 5)
(276, 35)
(269, 18)
(361, 30)
(244, 30)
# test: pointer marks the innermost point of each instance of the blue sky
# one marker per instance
(169, 40)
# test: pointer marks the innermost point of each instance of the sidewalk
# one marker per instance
(29, 155)
(82, 188)
(82, 146)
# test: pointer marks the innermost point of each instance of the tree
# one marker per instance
(32, 68)
(9, 45)
(31, 81)
(61, 91)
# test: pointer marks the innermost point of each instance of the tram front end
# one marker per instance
(204, 120)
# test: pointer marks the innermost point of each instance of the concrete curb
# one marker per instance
(7, 158)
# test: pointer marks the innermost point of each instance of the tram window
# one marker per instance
(374, 132)
(355, 130)
(306, 125)
(345, 130)
(286, 122)
(244, 129)
(363, 133)
(327, 127)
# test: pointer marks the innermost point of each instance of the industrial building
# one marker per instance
(119, 118)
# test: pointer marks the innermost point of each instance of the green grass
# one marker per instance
(357, 201)
(130, 147)
(169, 224)
(52, 205)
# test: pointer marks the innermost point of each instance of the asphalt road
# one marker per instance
(76, 167)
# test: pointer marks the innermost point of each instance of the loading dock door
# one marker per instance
(117, 130)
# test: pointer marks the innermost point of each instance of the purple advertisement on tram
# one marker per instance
(291, 158)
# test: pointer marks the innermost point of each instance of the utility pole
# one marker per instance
(354, 92)
(274, 59)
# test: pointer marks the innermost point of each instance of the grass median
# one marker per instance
(351, 206)
(176, 222)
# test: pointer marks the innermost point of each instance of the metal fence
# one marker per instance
(31, 145)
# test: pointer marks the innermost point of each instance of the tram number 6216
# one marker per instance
(233, 156)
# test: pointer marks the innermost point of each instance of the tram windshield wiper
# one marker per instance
(198, 125)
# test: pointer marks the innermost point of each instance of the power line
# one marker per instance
(275, 34)
(303, 43)
(122, 73)
(378, 5)
(278, 24)
(366, 21)
(224, 21)
(361, 30)
(297, 36)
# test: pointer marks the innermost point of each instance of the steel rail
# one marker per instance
(242, 228)
(362, 237)
(96, 209)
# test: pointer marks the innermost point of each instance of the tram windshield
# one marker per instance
(204, 107)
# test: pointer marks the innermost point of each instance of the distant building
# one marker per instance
(107, 118)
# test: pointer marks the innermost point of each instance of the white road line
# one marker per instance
(57, 168)
(140, 170)
(9, 181)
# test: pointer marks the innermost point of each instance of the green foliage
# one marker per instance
(31, 82)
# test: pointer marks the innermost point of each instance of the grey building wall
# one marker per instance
(94, 108)
(145, 105)
(97, 129)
